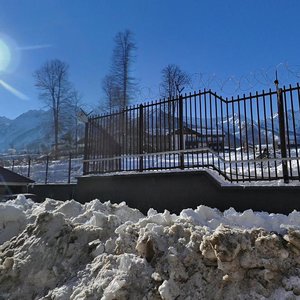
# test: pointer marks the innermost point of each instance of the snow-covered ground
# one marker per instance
(58, 170)
(66, 250)
(236, 165)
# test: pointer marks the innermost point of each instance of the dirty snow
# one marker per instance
(66, 250)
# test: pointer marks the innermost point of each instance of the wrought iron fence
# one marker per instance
(247, 138)
(45, 168)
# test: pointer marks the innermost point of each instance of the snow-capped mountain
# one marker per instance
(236, 127)
(28, 131)
(262, 130)
(32, 131)
(293, 120)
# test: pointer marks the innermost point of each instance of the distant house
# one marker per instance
(102, 144)
(201, 137)
(13, 183)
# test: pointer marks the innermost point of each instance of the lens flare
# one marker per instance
(10, 55)
(5, 56)
(13, 90)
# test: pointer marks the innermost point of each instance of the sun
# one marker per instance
(5, 56)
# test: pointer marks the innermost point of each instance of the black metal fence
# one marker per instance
(45, 168)
(247, 138)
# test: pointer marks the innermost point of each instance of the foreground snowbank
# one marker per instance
(65, 250)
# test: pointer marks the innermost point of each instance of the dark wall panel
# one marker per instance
(173, 191)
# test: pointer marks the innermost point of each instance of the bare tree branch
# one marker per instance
(119, 85)
(52, 81)
(173, 80)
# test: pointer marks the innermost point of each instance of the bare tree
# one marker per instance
(119, 85)
(112, 92)
(173, 81)
(73, 130)
(52, 81)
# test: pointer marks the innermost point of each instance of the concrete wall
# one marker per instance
(54, 191)
(175, 191)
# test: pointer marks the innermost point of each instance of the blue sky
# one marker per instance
(231, 45)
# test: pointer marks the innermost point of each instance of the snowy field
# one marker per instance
(236, 165)
(58, 170)
(66, 250)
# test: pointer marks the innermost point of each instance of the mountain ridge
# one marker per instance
(29, 131)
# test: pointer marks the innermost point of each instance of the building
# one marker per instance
(197, 138)
(13, 183)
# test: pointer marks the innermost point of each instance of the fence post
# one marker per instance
(86, 150)
(47, 165)
(141, 137)
(70, 164)
(29, 164)
(181, 143)
(282, 132)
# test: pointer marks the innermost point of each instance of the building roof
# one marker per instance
(8, 177)
(200, 131)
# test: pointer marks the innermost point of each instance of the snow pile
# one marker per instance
(66, 250)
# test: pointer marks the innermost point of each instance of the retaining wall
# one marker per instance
(54, 191)
(175, 191)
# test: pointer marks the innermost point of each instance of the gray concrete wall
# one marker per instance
(54, 191)
(178, 190)
(173, 191)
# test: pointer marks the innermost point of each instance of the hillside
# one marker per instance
(29, 131)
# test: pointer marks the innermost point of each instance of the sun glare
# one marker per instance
(5, 56)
